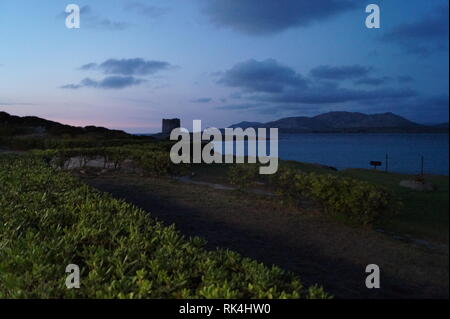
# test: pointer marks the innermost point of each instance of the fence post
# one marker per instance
(387, 163)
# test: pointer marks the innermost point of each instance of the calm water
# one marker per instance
(357, 150)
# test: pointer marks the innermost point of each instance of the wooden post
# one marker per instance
(421, 166)
(375, 164)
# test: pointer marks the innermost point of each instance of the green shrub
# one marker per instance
(155, 163)
(49, 220)
(243, 175)
(355, 201)
(152, 158)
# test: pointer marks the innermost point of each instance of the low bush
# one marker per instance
(355, 201)
(156, 163)
(243, 175)
(49, 220)
(153, 159)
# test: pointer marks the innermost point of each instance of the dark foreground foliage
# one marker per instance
(49, 220)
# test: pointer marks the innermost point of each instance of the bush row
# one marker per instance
(151, 158)
(28, 143)
(355, 201)
(49, 220)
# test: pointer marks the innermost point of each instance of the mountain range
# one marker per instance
(347, 122)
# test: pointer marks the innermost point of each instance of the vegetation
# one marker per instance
(355, 201)
(423, 214)
(243, 175)
(152, 158)
(24, 143)
(49, 220)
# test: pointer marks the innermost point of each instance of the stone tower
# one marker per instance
(169, 124)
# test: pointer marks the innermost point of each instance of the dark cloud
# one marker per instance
(236, 96)
(339, 72)
(373, 81)
(89, 66)
(270, 82)
(423, 36)
(405, 79)
(121, 73)
(85, 9)
(263, 76)
(145, 9)
(340, 95)
(244, 106)
(137, 66)
(269, 16)
(109, 82)
(423, 109)
(202, 100)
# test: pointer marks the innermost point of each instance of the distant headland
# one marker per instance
(347, 122)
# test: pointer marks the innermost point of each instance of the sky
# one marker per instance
(132, 63)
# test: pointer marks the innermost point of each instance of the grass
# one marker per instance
(424, 214)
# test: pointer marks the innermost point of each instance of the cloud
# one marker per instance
(88, 66)
(424, 36)
(71, 86)
(271, 83)
(145, 9)
(202, 100)
(121, 73)
(244, 106)
(339, 72)
(339, 95)
(262, 76)
(405, 79)
(136, 66)
(425, 109)
(268, 17)
(373, 81)
(106, 24)
(15, 104)
(109, 82)
(85, 10)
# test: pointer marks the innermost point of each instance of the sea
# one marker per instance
(405, 153)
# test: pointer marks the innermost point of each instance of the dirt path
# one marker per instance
(319, 251)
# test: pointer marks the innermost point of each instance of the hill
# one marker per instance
(346, 122)
(11, 125)
(245, 124)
